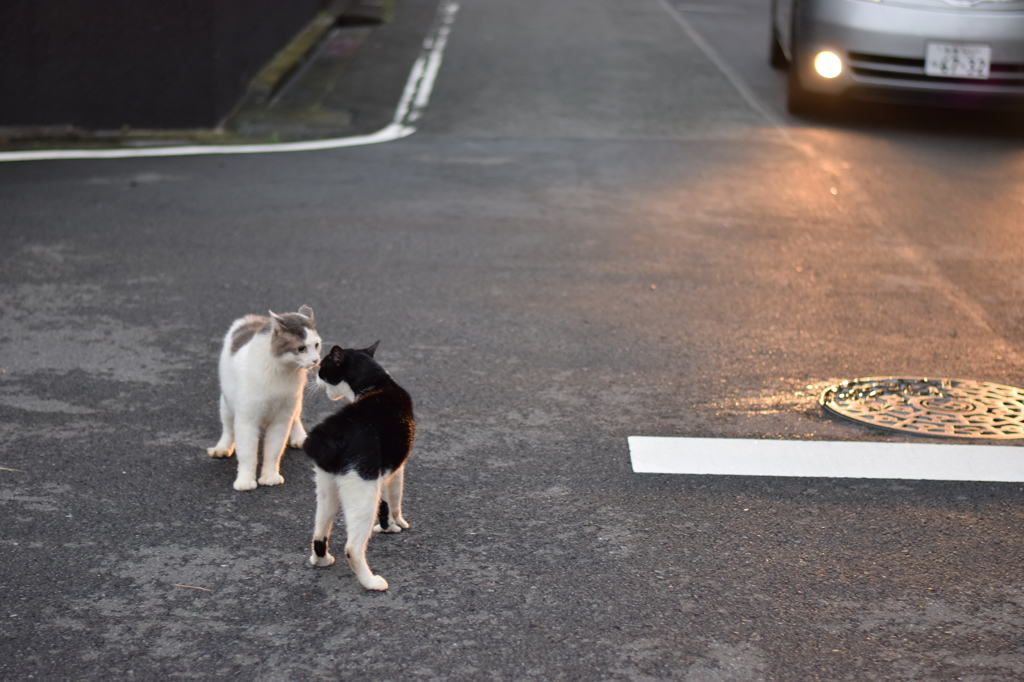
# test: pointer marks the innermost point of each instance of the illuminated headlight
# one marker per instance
(828, 64)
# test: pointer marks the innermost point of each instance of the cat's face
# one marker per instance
(307, 351)
(295, 340)
(335, 369)
(332, 375)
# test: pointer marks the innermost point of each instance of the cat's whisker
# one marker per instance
(311, 386)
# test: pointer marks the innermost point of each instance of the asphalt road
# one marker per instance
(593, 234)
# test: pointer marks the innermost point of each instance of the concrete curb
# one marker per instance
(264, 87)
(414, 99)
(287, 61)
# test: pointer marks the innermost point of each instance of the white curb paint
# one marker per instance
(410, 108)
(826, 459)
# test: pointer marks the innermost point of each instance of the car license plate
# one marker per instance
(957, 60)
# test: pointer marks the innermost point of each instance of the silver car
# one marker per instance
(958, 53)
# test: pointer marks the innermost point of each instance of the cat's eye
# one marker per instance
(301, 349)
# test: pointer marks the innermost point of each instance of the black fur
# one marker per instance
(374, 434)
(320, 547)
(382, 515)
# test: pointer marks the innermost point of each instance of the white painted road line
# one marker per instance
(414, 99)
(826, 459)
(386, 134)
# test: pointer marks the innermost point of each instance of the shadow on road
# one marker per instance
(867, 117)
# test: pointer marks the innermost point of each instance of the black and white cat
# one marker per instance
(263, 367)
(360, 453)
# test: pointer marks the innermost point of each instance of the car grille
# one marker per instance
(876, 69)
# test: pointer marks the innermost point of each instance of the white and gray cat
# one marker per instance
(263, 367)
(360, 453)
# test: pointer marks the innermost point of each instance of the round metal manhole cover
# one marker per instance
(954, 408)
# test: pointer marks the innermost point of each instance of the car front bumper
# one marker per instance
(883, 50)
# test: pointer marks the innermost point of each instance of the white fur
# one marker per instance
(359, 500)
(391, 492)
(339, 392)
(261, 391)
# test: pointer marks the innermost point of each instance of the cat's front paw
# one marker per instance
(271, 479)
(219, 452)
(395, 525)
(245, 483)
(375, 582)
(297, 441)
(325, 560)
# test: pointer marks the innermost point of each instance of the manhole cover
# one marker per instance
(954, 408)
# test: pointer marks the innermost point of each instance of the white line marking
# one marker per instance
(424, 71)
(391, 132)
(415, 97)
(826, 459)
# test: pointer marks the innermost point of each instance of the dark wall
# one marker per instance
(104, 64)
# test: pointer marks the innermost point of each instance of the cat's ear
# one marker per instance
(373, 349)
(275, 320)
(337, 352)
(306, 311)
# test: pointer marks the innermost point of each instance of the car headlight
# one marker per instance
(828, 64)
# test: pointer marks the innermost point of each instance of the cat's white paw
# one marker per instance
(325, 560)
(245, 483)
(375, 582)
(219, 452)
(394, 526)
(297, 443)
(271, 479)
